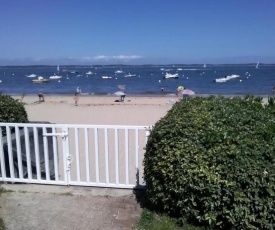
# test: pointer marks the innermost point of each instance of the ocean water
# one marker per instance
(148, 80)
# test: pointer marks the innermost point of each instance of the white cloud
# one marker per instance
(130, 57)
(101, 57)
(108, 58)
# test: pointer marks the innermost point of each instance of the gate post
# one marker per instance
(66, 155)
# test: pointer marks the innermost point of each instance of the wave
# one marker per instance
(191, 69)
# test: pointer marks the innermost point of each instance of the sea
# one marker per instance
(145, 80)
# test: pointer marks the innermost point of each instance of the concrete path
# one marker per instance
(57, 207)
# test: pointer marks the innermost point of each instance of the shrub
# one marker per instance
(12, 110)
(212, 161)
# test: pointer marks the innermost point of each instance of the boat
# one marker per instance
(40, 79)
(130, 75)
(89, 73)
(204, 66)
(162, 69)
(257, 66)
(226, 78)
(57, 68)
(119, 71)
(170, 75)
(55, 77)
(31, 75)
(106, 77)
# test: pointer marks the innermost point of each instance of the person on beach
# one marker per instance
(122, 97)
(40, 97)
(78, 90)
(76, 96)
(122, 89)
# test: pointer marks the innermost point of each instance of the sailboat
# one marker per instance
(55, 77)
(130, 75)
(257, 66)
(204, 66)
(119, 71)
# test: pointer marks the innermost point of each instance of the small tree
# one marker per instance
(12, 110)
(212, 161)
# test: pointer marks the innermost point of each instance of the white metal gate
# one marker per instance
(86, 155)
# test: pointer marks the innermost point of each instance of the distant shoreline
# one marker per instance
(142, 95)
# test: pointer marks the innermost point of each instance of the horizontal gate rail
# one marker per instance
(73, 154)
(72, 125)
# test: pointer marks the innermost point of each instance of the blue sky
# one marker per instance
(136, 32)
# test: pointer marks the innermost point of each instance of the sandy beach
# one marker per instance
(98, 110)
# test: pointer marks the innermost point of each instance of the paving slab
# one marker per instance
(59, 207)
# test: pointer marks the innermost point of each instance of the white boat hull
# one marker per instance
(31, 75)
(169, 75)
(40, 80)
(55, 77)
(226, 78)
(130, 75)
(106, 77)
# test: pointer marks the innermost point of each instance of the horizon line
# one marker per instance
(176, 64)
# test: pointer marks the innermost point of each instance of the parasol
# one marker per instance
(187, 92)
(119, 93)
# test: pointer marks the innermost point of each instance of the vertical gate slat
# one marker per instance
(76, 138)
(10, 152)
(67, 152)
(37, 153)
(55, 156)
(126, 156)
(106, 155)
(27, 148)
(87, 155)
(137, 155)
(96, 155)
(116, 156)
(64, 160)
(2, 156)
(18, 150)
(46, 154)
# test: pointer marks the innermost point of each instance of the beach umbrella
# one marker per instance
(119, 93)
(187, 92)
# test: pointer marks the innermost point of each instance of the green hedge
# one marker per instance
(212, 161)
(12, 110)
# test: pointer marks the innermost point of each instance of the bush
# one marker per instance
(212, 161)
(12, 110)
